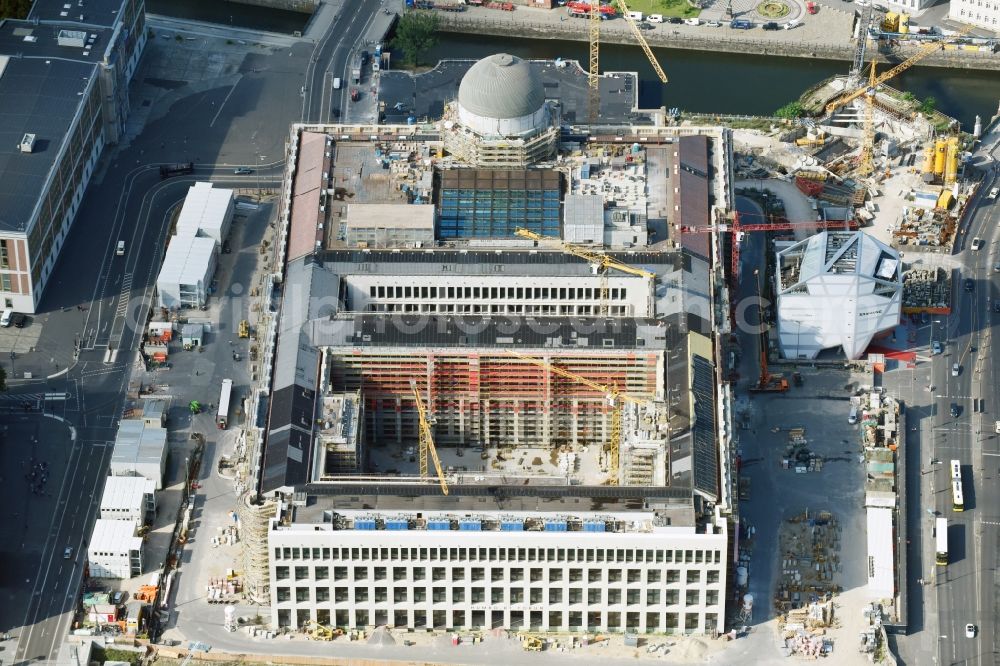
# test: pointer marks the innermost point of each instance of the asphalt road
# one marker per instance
(967, 591)
(94, 298)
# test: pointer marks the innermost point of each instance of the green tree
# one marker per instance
(927, 106)
(415, 35)
(15, 9)
(909, 97)
(790, 111)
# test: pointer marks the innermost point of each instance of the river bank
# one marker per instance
(829, 39)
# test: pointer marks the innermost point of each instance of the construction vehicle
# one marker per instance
(767, 383)
(195, 407)
(427, 441)
(532, 643)
(244, 329)
(146, 594)
(600, 261)
(616, 399)
(322, 632)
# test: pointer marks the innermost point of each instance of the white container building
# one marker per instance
(129, 498)
(187, 270)
(115, 551)
(140, 451)
(207, 212)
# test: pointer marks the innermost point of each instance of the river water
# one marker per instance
(700, 81)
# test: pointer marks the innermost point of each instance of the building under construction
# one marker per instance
(567, 396)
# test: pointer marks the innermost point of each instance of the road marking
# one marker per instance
(231, 90)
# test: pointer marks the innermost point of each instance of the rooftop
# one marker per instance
(126, 492)
(205, 209)
(39, 97)
(114, 536)
(501, 86)
(186, 259)
(138, 443)
(85, 12)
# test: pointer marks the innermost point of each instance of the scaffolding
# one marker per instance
(487, 398)
(254, 524)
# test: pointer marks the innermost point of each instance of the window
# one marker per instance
(673, 576)
(360, 573)
(594, 596)
(301, 594)
(399, 594)
(322, 573)
(693, 576)
(419, 573)
(691, 597)
(457, 595)
(653, 576)
(4, 255)
(322, 594)
(284, 594)
(555, 596)
(281, 573)
(380, 573)
(360, 594)
(713, 577)
(652, 597)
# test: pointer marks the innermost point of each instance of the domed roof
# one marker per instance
(501, 86)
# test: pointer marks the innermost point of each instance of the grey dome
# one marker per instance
(501, 86)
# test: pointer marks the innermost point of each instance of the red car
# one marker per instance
(812, 7)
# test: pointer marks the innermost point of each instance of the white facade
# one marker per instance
(645, 578)
(980, 13)
(207, 211)
(187, 271)
(130, 498)
(503, 127)
(114, 550)
(140, 451)
(836, 289)
(628, 295)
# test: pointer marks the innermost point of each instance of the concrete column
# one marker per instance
(575, 420)
(461, 421)
(399, 420)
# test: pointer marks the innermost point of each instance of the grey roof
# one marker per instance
(311, 292)
(39, 97)
(27, 40)
(95, 12)
(705, 453)
(474, 331)
(501, 86)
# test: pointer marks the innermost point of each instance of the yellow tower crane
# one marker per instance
(615, 397)
(602, 262)
(427, 441)
(866, 162)
(595, 45)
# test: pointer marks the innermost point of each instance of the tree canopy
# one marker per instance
(415, 35)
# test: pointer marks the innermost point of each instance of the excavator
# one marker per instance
(322, 632)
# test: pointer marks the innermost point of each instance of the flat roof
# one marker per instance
(76, 43)
(205, 209)
(390, 216)
(187, 259)
(126, 492)
(138, 443)
(114, 536)
(311, 175)
(95, 12)
(881, 555)
(39, 97)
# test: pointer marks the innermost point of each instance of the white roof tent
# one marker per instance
(836, 289)
(140, 451)
(186, 274)
(881, 556)
(114, 550)
(207, 211)
(126, 497)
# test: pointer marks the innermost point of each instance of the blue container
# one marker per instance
(438, 525)
(555, 526)
(512, 526)
(364, 524)
(397, 525)
(470, 526)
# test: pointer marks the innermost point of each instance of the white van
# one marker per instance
(655, 18)
(794, 23)
(120, 249)
(6, 317)
(852, 417)
(336, 84)
(635, 16)
(692, 21)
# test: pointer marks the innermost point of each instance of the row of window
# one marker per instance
(617, 555)
(978, 17)
(497, 574)
(498, 595)
(520, 293)
(568, 310)
(536, 620)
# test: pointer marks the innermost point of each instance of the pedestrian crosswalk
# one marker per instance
(32, 397)
(125, 295)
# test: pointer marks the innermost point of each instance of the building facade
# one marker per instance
(517, 570)
(64, 79)
(979, 13)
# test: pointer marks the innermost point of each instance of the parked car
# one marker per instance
(936, 347)
(771, 25)
(692, 21)
(713, 24)
(970, 631)
(970, 284)
(675, 20)
(812, 7)
(68, 553)
(6, 317)
(994, 193)
(645, 26)
(18, 320)
(655, 18)
(996, 267)
(243, 171)
(977, 244)
(741, 24)
(955, 410)
(955, 369)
